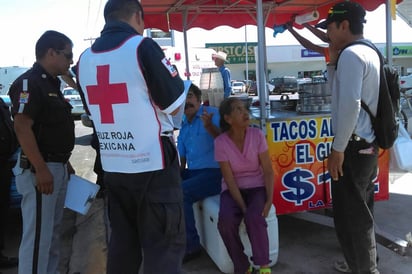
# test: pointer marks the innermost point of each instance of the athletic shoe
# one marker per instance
(265, 270)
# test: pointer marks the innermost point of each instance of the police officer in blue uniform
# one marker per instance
(45, 130)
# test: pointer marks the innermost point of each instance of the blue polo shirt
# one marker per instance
(195, 143)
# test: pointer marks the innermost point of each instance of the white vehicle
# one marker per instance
(405, 82)
(238, 87)
(199, 58)
(73, 97)
(8, 75)
(6, 99)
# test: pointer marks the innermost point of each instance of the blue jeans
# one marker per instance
(197, 185)
(353, 201)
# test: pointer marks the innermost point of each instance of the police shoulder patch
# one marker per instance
(24, 97)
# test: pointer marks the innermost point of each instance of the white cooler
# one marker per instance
(206, 215)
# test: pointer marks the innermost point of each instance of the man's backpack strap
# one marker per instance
(382, 62)
(366, 108)
(386, 121)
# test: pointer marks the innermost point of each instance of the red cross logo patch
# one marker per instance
(106, 94)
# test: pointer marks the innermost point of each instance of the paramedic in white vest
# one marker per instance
(131, 91)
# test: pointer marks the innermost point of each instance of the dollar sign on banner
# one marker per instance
(300, 188)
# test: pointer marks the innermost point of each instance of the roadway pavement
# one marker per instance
(304, 247)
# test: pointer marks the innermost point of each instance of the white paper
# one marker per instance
(80, 194)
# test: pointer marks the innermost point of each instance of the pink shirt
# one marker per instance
(245, 165)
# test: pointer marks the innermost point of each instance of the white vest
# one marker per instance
(125, 118)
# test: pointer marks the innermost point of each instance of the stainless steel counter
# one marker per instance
(283, 114)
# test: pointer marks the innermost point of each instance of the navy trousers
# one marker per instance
(146, 219)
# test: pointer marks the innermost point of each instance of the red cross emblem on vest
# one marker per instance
(106, 94)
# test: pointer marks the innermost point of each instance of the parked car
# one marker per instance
(270, 88)
(248, 83)
(284, 84)
(302, 81)
(238, 87)
(319, 79)
(405, 82)
(252, 90)
(73, 97)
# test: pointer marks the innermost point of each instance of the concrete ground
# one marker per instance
(304, 247)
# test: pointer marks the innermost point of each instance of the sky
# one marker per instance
(24, 21)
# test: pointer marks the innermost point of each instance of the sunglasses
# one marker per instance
(68, 56)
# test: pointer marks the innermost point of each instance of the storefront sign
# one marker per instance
(304, 53)
(403, 51)
(298, 148)
(236, 52)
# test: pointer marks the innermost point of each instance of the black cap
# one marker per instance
(351, 11)
(111, 6)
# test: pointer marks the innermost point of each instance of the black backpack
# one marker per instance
(386, 122)
(8, 140)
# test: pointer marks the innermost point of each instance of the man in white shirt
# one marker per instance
(353, 160)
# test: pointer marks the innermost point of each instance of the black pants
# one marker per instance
(146, 219)
(353, 201)
(5, 181)
(97, 168)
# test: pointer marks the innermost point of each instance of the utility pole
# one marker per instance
(247, 61)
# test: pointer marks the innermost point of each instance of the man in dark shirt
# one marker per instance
(45, 130)
(8, 146)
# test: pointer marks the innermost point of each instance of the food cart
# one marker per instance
(298, 142)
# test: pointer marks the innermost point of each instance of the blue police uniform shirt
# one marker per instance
(195, 143)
